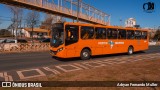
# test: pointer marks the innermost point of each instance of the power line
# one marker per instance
(5, 17)
(12, 20)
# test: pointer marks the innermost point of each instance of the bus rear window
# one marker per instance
(137, 34)
(144, 35)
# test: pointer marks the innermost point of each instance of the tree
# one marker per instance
(60, 19)
(32, 20)
(17, 16)
(157, 35)
(50, 20)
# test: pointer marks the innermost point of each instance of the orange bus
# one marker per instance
(85, 40)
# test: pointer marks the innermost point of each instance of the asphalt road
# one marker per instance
(18, 61)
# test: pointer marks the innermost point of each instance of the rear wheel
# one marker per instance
(85, 54)
(130, 50)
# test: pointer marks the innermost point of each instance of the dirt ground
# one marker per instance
(145, 70)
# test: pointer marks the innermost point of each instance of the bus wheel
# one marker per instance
(130, 50)
(85, 54)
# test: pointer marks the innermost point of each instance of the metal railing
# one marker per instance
(67, 8)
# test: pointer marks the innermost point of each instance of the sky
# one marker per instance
(118, 9)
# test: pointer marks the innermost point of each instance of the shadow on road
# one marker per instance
(95, 57)
(66, 59)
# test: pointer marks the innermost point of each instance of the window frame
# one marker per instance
(142, 35)
(100, 28)
(132, 33)
(122, 33)
(139, 35)
(111, 29)
(89, 37)
(66, 34)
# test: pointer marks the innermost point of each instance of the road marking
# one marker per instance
(96, 64)
(22, 76)
(1, 74)
(6, 76)
(74, 68)
(51, 70)
(109, 62)
(80, 65)
(118, 60)
(112, 59)
(27, 74)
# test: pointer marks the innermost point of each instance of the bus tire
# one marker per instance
(85, 54)
(130, 50)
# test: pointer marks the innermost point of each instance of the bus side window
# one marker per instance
(100, 33)
(137, 34)
(109, 35)
(121, 34)
(130, 34)
(144, 35)
(87, 32)
(71, 34)
(112, 33)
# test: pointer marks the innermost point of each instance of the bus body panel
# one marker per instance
(101, 46)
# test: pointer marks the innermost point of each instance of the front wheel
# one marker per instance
(85, 54)
(130, 50)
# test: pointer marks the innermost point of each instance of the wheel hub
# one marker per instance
(130, 51)
(85, 54)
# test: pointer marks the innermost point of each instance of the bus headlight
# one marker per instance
(60, 49)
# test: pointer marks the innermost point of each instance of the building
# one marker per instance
(131, 22)
(27, 33)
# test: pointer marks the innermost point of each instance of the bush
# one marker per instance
(157, 35)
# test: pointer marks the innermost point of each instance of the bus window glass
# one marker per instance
(87, 32)
(130, 34)
(121, 34)
(144, 35)
(71, 34)
(137, 34)
(112, 33)
(57, 35)
(100, 33)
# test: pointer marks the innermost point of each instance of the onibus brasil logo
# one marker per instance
(149, 7)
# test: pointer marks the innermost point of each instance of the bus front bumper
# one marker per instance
(60, 54)
(53, 53)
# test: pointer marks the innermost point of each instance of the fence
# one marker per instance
(35, 47)
(23, 47)
(154, 43)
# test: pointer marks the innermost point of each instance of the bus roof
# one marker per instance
(103, 26)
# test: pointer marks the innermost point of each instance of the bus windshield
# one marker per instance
(57, 36)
